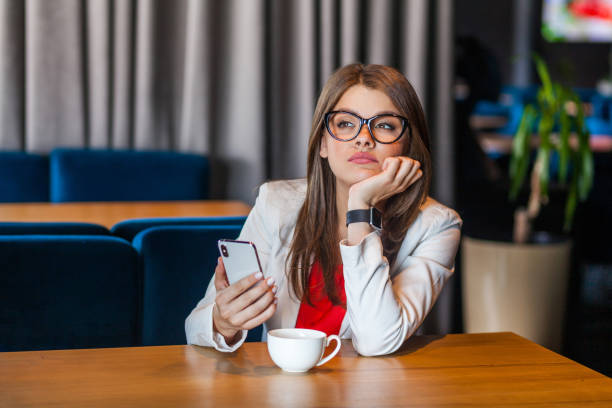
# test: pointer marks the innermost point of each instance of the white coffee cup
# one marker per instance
(298, 350)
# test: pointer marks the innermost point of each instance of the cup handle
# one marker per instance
(333, 353)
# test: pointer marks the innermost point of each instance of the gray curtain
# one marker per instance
(236, 80)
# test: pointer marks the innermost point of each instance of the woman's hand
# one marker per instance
(398, 173)
(243, 305)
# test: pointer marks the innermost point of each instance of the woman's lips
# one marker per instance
(362, 158)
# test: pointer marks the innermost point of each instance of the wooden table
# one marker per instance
(110, 213)
(496, 369)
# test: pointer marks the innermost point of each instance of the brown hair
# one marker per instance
(316, 235)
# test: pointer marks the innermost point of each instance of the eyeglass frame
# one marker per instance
(362, 121)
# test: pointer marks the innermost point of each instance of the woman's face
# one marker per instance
(361, 157)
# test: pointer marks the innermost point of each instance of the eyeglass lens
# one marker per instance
(345, 126)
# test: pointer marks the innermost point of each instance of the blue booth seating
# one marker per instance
(512, 94)
(52, 228)
(67, 292)
(24, 177)
(177, 264)
(598, 126)
(489, 108)
(602, 107)
(129, 228)
(122, 175)
(515, 113)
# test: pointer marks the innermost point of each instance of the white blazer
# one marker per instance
(385, 305)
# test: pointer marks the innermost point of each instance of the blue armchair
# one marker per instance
(177, 265)
(52, 228)
(24, 177)
(73, 291)
(122, 175)
(128, 229)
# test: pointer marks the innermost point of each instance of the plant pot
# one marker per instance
(515, 287)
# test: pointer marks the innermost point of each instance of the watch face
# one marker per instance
(375, 218)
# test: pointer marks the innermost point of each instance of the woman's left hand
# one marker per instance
(398, 173)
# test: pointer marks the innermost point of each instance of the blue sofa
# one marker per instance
(24, 177)
(128, 229)
(125, 175)
(177, 264)
(70, 291)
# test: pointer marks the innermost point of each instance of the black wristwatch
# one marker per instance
(371, 216)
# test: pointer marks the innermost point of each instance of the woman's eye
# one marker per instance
(345, 124)
(385, 126)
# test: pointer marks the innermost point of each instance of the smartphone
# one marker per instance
(239, 258)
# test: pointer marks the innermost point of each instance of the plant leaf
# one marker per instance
(564, 147)
(586, 173)
(544, 129)
(545, 78)
(570, 205)
(584, 166)
(519, 162)
(544, 160)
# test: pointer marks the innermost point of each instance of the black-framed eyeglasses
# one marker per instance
(386, 128)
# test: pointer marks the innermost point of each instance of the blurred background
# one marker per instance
(237, 80)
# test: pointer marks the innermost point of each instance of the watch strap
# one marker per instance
(372, 216)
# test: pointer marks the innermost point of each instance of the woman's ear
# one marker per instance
(323, 147)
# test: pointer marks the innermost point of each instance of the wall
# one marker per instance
(492, 25)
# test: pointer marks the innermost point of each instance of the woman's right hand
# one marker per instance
(239, 308)
(398, 173)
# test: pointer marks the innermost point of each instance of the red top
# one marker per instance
(324, 316)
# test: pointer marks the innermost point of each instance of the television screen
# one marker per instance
(577, 20)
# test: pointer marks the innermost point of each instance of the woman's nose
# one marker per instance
(364, 138)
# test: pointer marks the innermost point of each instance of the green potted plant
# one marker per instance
(521, 286)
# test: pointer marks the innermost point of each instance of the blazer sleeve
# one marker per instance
(199, 323)
(385, 309)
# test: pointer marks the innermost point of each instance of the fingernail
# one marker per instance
(275, 300)
(258, 275)
(274, 289)
(270, 281)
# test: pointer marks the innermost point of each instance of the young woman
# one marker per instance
(358, 248)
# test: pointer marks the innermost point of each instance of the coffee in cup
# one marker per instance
(298, 350)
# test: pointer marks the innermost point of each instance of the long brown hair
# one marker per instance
(316, 230)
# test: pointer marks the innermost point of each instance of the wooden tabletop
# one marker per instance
(110, 213)
(494, 369)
